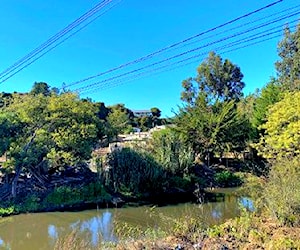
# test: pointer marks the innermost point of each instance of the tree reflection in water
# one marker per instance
(3, 245)
(98, 227)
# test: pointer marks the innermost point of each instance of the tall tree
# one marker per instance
(118, 122)
(40, 88)
(270, 94)
(155, 112)
(288, 67)
(209, 119)
(219, 80)
(209, 128)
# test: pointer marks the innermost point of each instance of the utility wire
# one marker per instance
(295, 8)
(232, 44)
(175, 44)
(62, 41)
(157, 70)
(192, 50)
(55, 38)
(57, 35)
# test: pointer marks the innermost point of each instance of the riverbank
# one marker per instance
(67, 199)
(90, 193)
(246, 232)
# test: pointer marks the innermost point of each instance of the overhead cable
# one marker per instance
(52, 40)
(243, 44)
(59, 43)
(174, 45)
(195, 49)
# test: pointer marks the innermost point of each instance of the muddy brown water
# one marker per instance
(41, 230)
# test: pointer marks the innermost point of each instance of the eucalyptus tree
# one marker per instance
(208, 119)
(219, 79)
(288, 66)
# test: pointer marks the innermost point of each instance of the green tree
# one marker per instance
(155, 112)
(209, 128)
(5, 99)
(40, 88)
(269, 95)
(102, 110)
(288, 67)
(56, 131)
(282, 136)
(118, 122)
(246, 110)
(209, 120)
(220, 80)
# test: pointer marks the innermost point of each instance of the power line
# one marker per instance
(295, 8)
(174, 45)
(56, 36)
(54, 39)
(193, 50)
(232, 44)
(156, 72)
(164, 68)
(62, 41)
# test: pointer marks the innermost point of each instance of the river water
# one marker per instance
(41, 230)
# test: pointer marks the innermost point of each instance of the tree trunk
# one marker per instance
(14, 184)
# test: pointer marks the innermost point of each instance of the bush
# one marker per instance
(183, 183)
(30, 204)
(137, 171)
(282, 192)
(94, 192)
(66, 195)
(5, 211)
(63, 195)
(227, 179)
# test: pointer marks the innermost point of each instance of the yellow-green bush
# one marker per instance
(282, 191)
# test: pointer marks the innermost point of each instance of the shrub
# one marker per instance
(227, 179)
(5, 211)
(282, 192)
(63, 195)
(94, 192)
(137, 171)
(30, 204)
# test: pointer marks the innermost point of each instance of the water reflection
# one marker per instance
(247, 203)
(52, 232)
(41, 231)
(99, 227)
(3, 245)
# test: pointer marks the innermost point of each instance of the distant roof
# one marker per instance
(141, 111)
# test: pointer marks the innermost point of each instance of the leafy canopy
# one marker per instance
(220, 80)
(288, 67)
(209, 120)
(58, 129)
(282, 129)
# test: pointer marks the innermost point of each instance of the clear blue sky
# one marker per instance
(130, 30)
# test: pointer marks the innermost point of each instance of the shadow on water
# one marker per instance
(41, 230)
